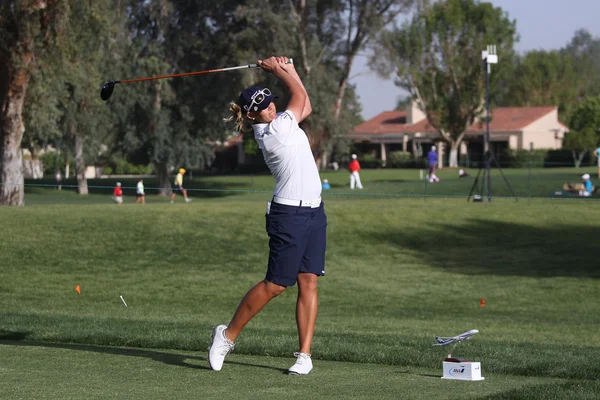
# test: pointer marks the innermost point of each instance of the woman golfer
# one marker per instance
(296, 221)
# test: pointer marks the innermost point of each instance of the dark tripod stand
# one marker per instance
(478, 185)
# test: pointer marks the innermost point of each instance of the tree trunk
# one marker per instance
(162, 169)
(37, 168)
(323, 160)
(67, 169)
(80, 166)
(453, 161)
(578, 159)
(342, 86)
(163, 179)
(11, 132)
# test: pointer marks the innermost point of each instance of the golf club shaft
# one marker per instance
(208, 71)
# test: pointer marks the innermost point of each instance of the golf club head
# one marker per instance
(107, 90)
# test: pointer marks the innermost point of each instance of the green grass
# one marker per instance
(399, 272)
(540, 183)
(42, 370)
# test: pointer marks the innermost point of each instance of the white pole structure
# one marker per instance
(489, 57)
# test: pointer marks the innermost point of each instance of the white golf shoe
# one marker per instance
(188, 200)
(221, 346)
(302, 366)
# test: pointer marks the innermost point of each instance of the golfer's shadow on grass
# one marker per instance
(180, 360)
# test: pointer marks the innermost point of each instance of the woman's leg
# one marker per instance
(251, 304)
(306, 310)
(358, 182)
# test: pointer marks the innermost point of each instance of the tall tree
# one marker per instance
(584, 123)
(309, 41)
(584, 51)
(325, 37)
(27, 29)
(338, 31)
(170, 122)
(85, 119)
(543, 78)
(556, 77)
(437, 58)
(580, 143)
(41, 111)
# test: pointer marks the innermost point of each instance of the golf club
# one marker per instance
(107, 89)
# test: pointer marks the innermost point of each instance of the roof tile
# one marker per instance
(503, 119)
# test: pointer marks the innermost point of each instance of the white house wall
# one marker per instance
(414, 114)
(542, 132)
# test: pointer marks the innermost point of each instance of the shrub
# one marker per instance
(401, 159)
(370, 161)
(120, 166)
(53, 161)
(564, 158)
(521, 158)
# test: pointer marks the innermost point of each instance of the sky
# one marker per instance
(541, 24)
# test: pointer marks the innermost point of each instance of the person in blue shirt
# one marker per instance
(588, 187)
(432, 158)
(326, 185)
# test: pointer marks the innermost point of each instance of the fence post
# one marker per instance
(529, 177)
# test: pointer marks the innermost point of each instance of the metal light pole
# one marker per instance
(489, 57)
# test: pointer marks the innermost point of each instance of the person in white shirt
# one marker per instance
(58, 177)
(296, 220)
(140, 193)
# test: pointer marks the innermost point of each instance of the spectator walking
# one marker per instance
(140, 193)
(432, 158)
(354, 168)
(178, 186)
(58, 177)
(118, 194)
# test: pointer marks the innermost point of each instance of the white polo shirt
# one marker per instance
(287, 153)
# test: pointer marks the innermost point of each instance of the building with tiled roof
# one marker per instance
(510, 128)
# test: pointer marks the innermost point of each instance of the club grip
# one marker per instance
(290, 61)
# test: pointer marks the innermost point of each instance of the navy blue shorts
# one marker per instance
(297, 242)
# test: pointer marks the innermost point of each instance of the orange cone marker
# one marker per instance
(78, 289)
(482, 303)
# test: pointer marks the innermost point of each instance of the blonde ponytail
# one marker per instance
(241, 124)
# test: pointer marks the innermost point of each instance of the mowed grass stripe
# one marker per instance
(399, 271)
(32, 370)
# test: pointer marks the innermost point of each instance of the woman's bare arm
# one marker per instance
(288, 75)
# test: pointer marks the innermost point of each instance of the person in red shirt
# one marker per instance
(354, 168)
(118, 194)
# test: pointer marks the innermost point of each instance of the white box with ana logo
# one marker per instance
(464, 371)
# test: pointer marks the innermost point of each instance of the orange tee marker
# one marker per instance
(482, 303)
(78, 289)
